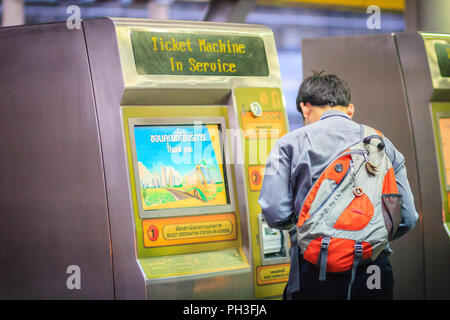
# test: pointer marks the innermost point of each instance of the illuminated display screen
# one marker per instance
(180, 166)
(443, 55)
(198, 54)
(444, 127)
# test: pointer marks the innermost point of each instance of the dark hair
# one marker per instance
(320, 89)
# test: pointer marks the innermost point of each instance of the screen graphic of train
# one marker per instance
(180, 166)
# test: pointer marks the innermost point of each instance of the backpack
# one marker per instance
(353, 209)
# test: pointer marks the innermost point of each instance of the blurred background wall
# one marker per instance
(290, 20)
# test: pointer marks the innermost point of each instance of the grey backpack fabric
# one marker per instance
(352, 210)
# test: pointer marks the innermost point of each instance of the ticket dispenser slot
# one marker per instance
(273, 243)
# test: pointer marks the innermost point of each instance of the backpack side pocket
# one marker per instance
(391, 207)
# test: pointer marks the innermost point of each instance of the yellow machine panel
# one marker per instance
(201, 110)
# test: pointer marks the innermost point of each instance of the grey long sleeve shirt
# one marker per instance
(296, 162)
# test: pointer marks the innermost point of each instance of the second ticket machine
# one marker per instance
(400, 84)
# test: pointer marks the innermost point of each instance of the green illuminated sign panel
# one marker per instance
(443, 55)
(158, 53)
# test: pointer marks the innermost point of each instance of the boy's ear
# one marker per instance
(350, 110)
(306, 109)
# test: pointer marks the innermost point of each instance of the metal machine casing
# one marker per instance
(197, 91)
(72, 101)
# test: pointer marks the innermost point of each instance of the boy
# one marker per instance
(293, 166)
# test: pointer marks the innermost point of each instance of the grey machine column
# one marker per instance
(427, 15)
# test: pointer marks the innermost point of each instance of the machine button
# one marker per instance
(255, 176)
(256, 109)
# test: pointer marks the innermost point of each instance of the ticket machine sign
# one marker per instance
(198, 54)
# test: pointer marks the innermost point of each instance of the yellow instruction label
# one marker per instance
(194, 230)
(272, 274)
(189, 230)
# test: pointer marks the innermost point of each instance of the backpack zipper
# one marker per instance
(331, 193)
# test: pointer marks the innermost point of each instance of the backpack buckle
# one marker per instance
(323, 256)
(325, 243)
(358, 248)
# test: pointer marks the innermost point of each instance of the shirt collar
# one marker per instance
(334, 113)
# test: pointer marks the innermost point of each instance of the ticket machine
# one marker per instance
(135, 152)
(400, 84)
